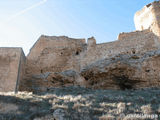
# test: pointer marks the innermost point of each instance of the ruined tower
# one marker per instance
(149, 18)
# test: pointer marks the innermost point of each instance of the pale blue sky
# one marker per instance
(23, 21)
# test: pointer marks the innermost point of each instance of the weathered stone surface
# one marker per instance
(12, 65)
(127, 43)
(48, 55)
(54, 54)
(43, 82)
(59, 54)
(119, 72)
(124, 71)
(148, 18)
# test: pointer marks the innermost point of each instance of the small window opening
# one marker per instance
(133, 52)
(77, 53)
(147, 70)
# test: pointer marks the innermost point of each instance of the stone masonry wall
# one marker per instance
(12, 62)
(149, 18)
(54, 54)
(57, 54)
(127, 43)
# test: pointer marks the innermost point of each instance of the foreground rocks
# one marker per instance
(79, 103)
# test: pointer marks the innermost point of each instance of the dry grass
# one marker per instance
(78, 103)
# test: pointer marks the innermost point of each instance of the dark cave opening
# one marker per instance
(86, 78)
(123, 82)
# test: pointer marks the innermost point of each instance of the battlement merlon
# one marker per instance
(91, 42)
(149, 18)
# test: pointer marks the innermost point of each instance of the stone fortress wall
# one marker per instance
(12, 66)
(52, 54)
(127, 43)
(55, 54)
(68, 55)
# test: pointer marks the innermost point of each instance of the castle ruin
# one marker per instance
(132, 61)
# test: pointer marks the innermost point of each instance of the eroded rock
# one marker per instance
(124, 72)
(43, 82)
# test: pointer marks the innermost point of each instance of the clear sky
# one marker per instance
(23, 21)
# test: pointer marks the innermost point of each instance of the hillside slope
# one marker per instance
(78, 103)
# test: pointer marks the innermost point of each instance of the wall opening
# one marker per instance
(147, 70)
(77, 52)
(133, 52)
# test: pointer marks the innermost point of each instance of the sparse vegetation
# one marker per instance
(79, 103)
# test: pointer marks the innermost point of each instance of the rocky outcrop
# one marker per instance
(45, 81)
(124, 71)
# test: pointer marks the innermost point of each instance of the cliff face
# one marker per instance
(124, 71)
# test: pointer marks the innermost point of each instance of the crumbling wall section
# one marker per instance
(127, 43)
